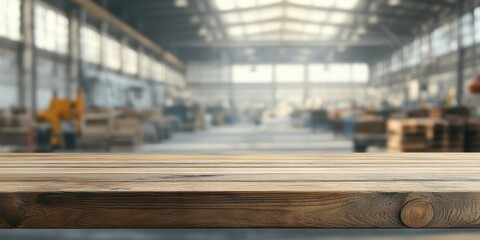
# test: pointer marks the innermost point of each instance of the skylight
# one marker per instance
(284, 20)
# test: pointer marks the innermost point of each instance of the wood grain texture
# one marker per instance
(240, 191)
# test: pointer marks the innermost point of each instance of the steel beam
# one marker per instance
(99, 12)
(302, 44)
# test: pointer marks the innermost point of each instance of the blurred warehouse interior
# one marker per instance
(229, 76)
(103, 75)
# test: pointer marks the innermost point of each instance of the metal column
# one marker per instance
(74, 54)
(27, 83)
(460, 54)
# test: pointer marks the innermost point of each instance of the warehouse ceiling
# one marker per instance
(278, 30)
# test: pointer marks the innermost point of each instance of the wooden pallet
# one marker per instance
(415, 135)
(451, 112)
(472, 135)
(96, 132)
(426, 135)
(455, 139)
(94, 143)
(98, 123)
(14, 136)
(127, 134)
(370, 125)
(240, 191)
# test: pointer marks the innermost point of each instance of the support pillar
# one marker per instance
(231, 85)
(460, 54)
(27, 83)
(306, 82)
(274, 86)
(72, 84)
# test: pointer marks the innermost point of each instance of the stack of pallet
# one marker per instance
(455, 135)
(370, 125)
(417, 113)
(369, 130)
(451, 112)
(96, 131)
(155, 126)
(472, 135)
(127, 134)
(14, 131)
(426, 135)
(416, 135)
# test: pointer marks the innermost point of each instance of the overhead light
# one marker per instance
(394, 2)
(329, 30)
(235, 31)
(181, 3)
(203, 31)
(346, 4)
(209, 38)
(373, 19)
(245, 3)
(224, 5)
(361, 30)
(195, 19)
(355, 38)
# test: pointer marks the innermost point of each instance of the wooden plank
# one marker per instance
(240, 191)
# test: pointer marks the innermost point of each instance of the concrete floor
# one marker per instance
(273, 136)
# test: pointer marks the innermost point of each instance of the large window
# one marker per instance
(416, 52)
(168, 75)
(340, 72)
(10, 19)
(90, 44)
(396, 61)
(177, 81)
(130, 60)
(444, 39)
(112, 53)
(467, 30)
(407, 52)
(425, 49)
(289, 73)
(477, 24)
(208, 73)
(358, 72)
(318, 73)
(51, 28)
(145, 63)
(252, 73)
(158, 71)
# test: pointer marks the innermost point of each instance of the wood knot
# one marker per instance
(10, 210)
(417, 213)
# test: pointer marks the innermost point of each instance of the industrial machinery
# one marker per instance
(63, 114)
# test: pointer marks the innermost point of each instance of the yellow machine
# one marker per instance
(61, 110)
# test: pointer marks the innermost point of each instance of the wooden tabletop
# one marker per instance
(240, 191)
